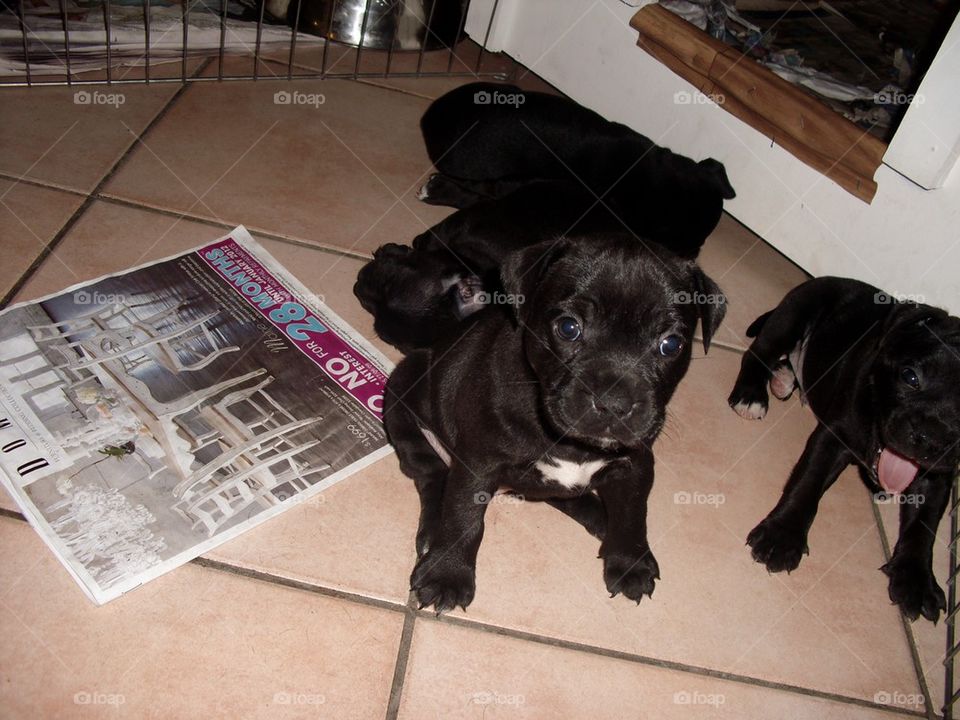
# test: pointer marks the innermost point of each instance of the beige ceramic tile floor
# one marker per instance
(308, 615)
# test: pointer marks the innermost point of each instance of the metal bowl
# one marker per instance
(382, 24)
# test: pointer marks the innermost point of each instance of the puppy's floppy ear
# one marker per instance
(714, 175)
(711, 304)
(522, 271)
(906, 317)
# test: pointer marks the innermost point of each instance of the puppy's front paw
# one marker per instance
(632, 576)
(749, 401)
(443, 582)
(777, 546)
(914, 589)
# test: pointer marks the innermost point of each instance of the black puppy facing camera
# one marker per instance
(558, 397)
(883, 379)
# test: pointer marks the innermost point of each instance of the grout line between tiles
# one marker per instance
(21, 180)
(373, 82)
(78, 213)
(551, 641)
(907, 629)
(411, 615)
(45, 253)
(12, 514)
(667, 664)
(98, 194)
(225, 567)
(729, 347)
(180, 214)
(400, 669)
(466, 79)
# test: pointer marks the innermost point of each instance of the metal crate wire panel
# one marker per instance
(79, 42)
(951, 695)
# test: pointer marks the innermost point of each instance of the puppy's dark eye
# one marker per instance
(910, 377)
(568, 328)
(671, 345)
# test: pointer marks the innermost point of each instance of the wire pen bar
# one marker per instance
(56, 44)
(950, 696)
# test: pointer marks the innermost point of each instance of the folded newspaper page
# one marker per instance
(149, 416)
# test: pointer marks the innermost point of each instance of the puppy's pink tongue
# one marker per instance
(896, 472)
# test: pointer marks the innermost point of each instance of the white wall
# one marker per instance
(907, 241)
(927, 144)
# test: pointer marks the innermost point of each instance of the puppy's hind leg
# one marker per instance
(749, 398)
(777, 333)
(424, 461)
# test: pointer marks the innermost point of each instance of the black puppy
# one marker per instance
(556, 397)
(883, 379)
(487, 139)
(418, 294)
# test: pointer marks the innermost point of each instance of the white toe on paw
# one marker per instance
(750, 411)
(423, 193)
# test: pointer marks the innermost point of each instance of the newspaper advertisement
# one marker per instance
(149, 416)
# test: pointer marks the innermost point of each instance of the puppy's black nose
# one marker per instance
(613, 391)
(923, 442)
(617, 405)
(929, 437)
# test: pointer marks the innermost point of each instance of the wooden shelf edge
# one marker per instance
(798, 122)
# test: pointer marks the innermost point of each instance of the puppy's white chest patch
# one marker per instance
(568, 473)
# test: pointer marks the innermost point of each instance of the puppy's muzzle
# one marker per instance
(610, 408)
(926, 439)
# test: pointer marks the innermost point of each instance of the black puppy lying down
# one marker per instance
(558, 398)
(513, 192)
(883, 380)
(418, 294)
(486, 150)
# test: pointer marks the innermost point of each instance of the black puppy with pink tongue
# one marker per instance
(883, 379)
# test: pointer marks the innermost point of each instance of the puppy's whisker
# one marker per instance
(666, 431)
(668, 425)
